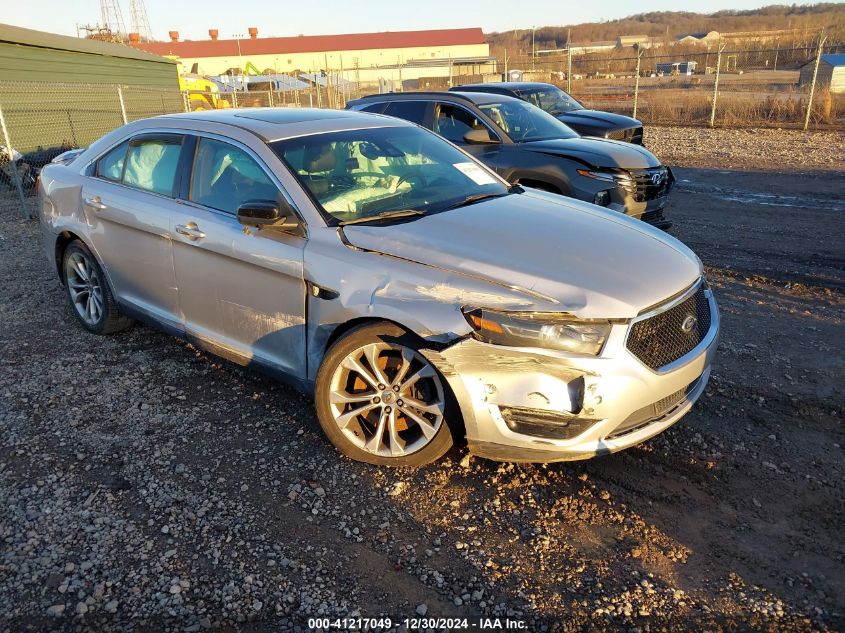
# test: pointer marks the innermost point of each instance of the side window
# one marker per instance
(151, 164)
(374, 107)
(452, 122)
(413, 111)
(225, 177)
(110, 166)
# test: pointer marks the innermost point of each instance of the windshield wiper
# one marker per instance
(478, 197)
(405, 213)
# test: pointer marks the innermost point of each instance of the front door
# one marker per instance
(128, 202)
(453, 121)
(241, 291)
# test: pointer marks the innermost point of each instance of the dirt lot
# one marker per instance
(145, 484)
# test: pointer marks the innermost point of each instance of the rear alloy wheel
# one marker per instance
(89, 292)
(84, 288)
(380, 401)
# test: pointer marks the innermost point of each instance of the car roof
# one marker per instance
(274, 124)
(478, 98)
(508, 85)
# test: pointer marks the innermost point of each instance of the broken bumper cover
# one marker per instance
(543, 406)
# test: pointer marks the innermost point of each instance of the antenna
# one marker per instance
(112, 18)
(140, 21)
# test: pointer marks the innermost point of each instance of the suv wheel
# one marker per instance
(89, 292)
(380, 401)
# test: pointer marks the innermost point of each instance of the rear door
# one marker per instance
(241, 291)
(128, 201)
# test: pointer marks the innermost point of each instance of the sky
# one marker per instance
(193, 18)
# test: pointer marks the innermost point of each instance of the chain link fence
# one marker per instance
(719, 86)
(39, 121)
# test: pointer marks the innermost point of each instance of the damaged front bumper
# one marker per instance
(645, 200)
(536, 405)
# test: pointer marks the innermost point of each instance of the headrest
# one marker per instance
(319, 158)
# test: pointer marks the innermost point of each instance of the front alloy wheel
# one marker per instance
(381, 401)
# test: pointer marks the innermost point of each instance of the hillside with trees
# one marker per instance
(805, 22)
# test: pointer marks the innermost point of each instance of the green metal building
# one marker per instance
(27, 55)
(59, 91)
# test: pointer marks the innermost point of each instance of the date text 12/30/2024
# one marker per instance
(414, 624)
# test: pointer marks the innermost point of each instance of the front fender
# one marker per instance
(347, 284)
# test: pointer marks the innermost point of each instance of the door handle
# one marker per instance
(95, 203)
(190, 230)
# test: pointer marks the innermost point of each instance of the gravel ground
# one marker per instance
(148, 485)
(752, 148)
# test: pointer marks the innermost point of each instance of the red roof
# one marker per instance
(315, 43)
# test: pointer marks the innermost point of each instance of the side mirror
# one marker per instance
(265, 213)
(479, 136)
(258, 212)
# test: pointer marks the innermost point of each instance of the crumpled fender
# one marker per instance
(356, 284)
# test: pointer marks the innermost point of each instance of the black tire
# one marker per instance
(353, 340)
(109, 319)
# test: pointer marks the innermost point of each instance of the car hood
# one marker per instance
(607, 120)
(559, 254)
(597, 152)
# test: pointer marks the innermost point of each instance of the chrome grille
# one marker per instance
(663, 338)
(648, 184)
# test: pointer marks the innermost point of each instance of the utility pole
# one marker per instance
(533, 47)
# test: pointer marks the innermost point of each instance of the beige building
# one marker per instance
(364, 57)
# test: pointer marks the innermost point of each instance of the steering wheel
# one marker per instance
(524, 122)
(412, 176)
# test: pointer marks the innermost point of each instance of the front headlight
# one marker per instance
(619, 176)
(538, 329)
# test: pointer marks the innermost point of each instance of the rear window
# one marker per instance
(151, 164)
(374, 107)
(110, 166)
(413, 111)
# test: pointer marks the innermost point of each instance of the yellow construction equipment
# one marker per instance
(202, 93)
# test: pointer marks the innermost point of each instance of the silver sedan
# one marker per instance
(421, 298)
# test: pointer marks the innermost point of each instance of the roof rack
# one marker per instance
(424, 93)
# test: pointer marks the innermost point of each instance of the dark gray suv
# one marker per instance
(566, 109)
(528, 146)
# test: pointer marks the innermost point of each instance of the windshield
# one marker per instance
(551, 99)
(525, 122)
(358, 175)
